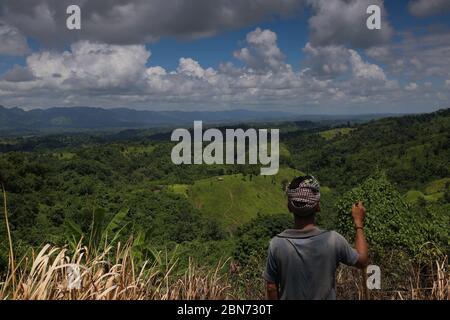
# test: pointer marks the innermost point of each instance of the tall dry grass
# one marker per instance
(430, 281)
(45, 275)
(110, 273)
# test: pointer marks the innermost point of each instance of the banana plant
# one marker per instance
(100, 232)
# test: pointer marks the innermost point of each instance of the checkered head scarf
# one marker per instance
(304, 194)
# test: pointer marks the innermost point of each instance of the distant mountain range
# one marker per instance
(17, 120)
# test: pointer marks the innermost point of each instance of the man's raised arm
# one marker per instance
(358, 214)
(271, 291)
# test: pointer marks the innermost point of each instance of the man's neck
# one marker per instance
(305, 223)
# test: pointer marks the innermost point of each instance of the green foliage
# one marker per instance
(333, 133)
(253, 237)
(236, 199)
(413, 151)
(414, 196)
(390, 221)
(434, 220)
(100, 231)
(208, 252)
(437, 186)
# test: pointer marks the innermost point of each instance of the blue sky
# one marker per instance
(211, 51)
(304, 56)
(292, 35)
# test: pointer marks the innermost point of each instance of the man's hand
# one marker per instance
(358, 214)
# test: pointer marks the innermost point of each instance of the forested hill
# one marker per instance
(413, 150)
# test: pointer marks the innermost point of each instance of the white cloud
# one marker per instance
(332, 21)
(139, 21)
(424, 8)
(343, 22)
(327, 61)
(411, 86)
(447, 83)
(18, 74)
(262, 52)
(192, 68)
(416, 56)
(12, 42)
(333, 61)
(378, 52)
(91, 65)
(365, 70)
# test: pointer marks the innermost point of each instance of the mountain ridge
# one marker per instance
(94, 117)
(18, 120)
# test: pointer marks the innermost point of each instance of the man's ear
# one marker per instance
(318, 207)
(291, 208)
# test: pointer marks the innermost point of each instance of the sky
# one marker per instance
(302, 56)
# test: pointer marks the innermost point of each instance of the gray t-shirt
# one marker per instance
(303, 263)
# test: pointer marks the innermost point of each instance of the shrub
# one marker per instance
(390, 222)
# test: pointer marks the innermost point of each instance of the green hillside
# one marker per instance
(434, 191)
(412, 196)
(333, 133)
(413, 150)
(439, 185)
(236, 199)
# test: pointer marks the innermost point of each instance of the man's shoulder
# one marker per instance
(339, 241)
(280, 239)
(276, 240)
(293, 234)
(337, 235)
